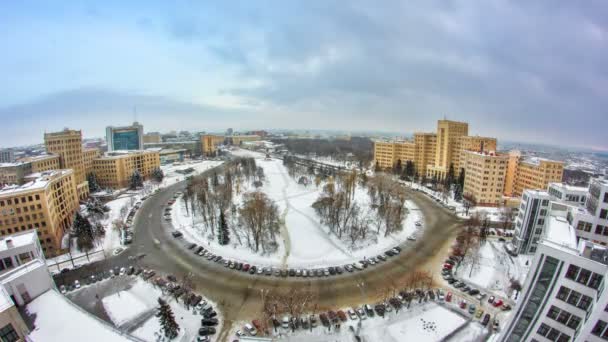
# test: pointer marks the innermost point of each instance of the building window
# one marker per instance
(583, 276)
(563, 338)
(603, 213)
(574, 322)
(572, 272)
(596, 280)
(543, 329)
(553, 334)
(599, 327)
(553, 312)
(563, 293)
(574, 298)
(585, 303)
(563, 317)
(8, 334)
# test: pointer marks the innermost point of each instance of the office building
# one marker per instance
(591, 220)
(236, 140)
(210, 142)
(114, 170)
(67, 144)
(484, 177)
(531, 174)
(7, 156)
(125, 137)
(46, 202)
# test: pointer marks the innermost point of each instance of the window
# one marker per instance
(572, 272)
(574, 322)
(543, 329)
(553, 334)
(585, 303)
(563, 317)
(603, 213)
(8, 334)
(563, 293)
(545, 203)
(599, 327)
(553, 312)
(540, 222)
(574, 298)
(583, 276)
(8, 262)
(563, 338)
(599, 229)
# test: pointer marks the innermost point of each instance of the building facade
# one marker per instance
(531, 174)
(114, 170)
(591, 221)
(47, 202)
(67, 144)
(15, 173)
(7, 156)
(209, 143)
(530, 221)
(484, 177)
(90, 154)
(125, 137)
(43, 163)
(152, 138)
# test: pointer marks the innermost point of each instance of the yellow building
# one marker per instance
(471, 143)
(484, 177)
(236, 140)
(67, 144)
(387, 153)
(43, 163)
(531, 174)
(47, 202)
(426, 145)
(152, 138)
(15, 173)
(90, 154)
(114, 170)
(210, 142)
(449, 135)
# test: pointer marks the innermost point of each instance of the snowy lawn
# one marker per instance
(305, 242)
(123, 306)
(71, 324)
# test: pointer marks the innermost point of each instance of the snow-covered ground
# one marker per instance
(199, 166)
(421, 322)
(56, 319)
(493, 269)
(141, 300)
(306, 242)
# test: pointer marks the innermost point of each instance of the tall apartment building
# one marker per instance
(210, 142)
(591, 221)
(471, 143)
(7, 156)
(387, 153)
(114, 170)
(484, 177)
(531, 174)
(425, 145)
(46, 202)
(67, 144)
(125, 137)
(88, 155)
(449, 134)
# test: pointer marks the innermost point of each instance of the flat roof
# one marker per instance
(41, 181)
(18, 240)
(568, 187)
(39, 157)
(73, 324)
(559, 232)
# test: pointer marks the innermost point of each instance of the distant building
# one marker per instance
(114, 170)
(531, 174)
(47, 202)
(152, 137)
(236, 140)
(125, 137)
(484, 177)
(67, 144)
(210, 142)
(7, 156)
(168, 156)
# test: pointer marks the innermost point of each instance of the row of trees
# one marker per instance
(135, 180)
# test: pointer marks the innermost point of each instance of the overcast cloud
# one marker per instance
(530, 71)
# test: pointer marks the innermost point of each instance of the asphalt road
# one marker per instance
(238, 294)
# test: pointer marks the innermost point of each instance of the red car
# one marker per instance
(498, 303)
(463, 304)
(447, 266)
(448, 297)
(246, 267)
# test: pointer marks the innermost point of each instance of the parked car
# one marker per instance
(505, 307)
(368, 310)
(498, 303)
(342, 316)
(285, 322)
(204, 331)
(352, 314)
(463, 304)
(209, 321)
(63, 289)
(250, 329)
(486, 319)
(448, 297)
(76, 284)
(361, 313)
(324, 320)
(478, 313)
(491, 300)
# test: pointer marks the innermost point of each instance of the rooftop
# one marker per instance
(560, 233)
(39, 180)
(18, 240)
(537, 160)
(40, 157)
(569, 188)
(124, 153)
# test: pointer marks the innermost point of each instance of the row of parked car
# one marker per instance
(168, 208)
(336, 318)
(291, 272)
(111, 273)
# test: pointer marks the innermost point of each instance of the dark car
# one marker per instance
(209, 321)
(191, 246)
(131, 270)
(252, 269)
(204, 331)
(396, 303)
(210, 314)
(324, 319)
(176, 234)
(380, 309)
(198, 249)
(292, 272)
(485, 320)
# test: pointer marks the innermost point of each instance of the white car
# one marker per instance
(351, 313)
(411, 238)
(123, 271)
(250, 329)
(361, 313)
(418, 224)
(76, 284)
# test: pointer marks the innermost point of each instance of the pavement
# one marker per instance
(238, 294)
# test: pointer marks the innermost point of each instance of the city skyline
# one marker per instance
(323, 66)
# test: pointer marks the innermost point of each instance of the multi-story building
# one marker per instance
(67, 144)
(591, 221)
(449, 134)
(7, 156)
(114, 170)
(15, 173)
(484, 177)
(236, 140)
(564, 297)
(90, 154)
(424, 151)
(471, 143)
(125, 137)
(388, 153)
(574, 195)
(46, 202)
(210, 142)
(152, 138)
(531, 174)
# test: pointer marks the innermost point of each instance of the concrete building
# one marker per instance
(45, 162)
(114, 170)
(563, 298)
(152, 138)
(591, 221)
(90, 154)
(67, 144)
(125, 137)
(15, 173)
(575, 195)
(12, 325)
(471, 143)
(484, 177)
(47, 202)
(209, 143)
(449, 134)
(18, 249)
(168, 156)
(7, 156)
(531, 174)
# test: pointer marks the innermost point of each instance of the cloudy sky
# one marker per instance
(534, 71)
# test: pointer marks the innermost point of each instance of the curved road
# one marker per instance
(238, 294)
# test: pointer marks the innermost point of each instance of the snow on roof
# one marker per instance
(38, 180)
(73, 324)
(560, 232)
(568, 187)
(18, 240)
(22, 270)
